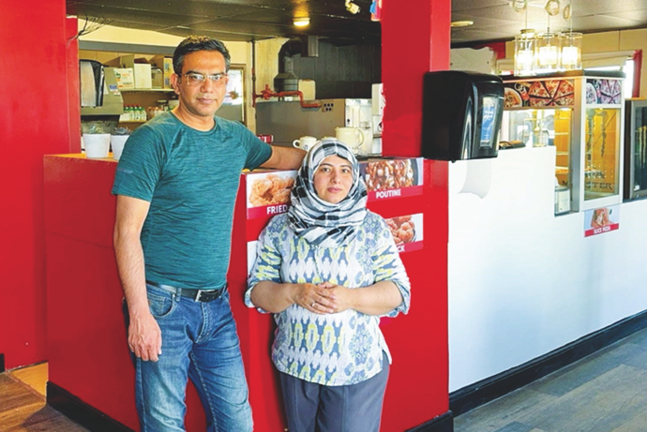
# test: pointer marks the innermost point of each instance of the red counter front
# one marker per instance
(88, 354)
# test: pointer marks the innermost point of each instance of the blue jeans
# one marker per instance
(199, 341)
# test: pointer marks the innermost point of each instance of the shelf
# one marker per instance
(146, 90)
(133, 121)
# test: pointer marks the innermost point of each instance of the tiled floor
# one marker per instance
(605, 392)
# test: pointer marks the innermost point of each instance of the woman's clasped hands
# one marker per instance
(324, 298)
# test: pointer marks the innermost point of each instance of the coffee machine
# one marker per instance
(287, 120)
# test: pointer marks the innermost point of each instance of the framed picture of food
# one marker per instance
(392, 178)
(268, 193)
(406, 231)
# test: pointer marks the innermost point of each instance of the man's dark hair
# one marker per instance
(198, 43)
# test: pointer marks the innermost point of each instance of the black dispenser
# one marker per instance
(461, 115)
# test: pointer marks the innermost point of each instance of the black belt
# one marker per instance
(194, 294)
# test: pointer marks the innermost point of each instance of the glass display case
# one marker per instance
(601, 155)
(635, 172)
(580, 114)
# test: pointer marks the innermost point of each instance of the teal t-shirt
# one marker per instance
(191, 179)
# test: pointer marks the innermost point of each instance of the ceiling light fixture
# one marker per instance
(571, 43)
(465, 23)
(547, 52)
(301, 22)
(352, 7)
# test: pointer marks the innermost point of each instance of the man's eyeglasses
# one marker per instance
(194, 78)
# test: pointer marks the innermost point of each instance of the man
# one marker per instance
(176, 185)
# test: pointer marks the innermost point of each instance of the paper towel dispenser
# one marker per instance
(461, 115)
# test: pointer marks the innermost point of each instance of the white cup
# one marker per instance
(96, 145)
(305, 142)
(351, 136)
(117, 143)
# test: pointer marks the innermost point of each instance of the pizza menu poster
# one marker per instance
(544, 93)
(603, 91)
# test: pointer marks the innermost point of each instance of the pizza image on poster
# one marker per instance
(551, 93)
(603, 91)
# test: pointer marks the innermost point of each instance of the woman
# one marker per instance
(328, 269)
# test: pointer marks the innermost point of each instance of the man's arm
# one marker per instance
(284, 158)
(144, 335)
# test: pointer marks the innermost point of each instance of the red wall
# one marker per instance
(35, 120)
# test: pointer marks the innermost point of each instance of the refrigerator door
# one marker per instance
(635, 175)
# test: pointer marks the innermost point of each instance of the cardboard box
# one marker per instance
(141, 71)
(143, 77)
(125, 78)
(166, 64)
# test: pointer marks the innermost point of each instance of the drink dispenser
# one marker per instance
(461, 115)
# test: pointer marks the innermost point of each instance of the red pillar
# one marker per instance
(35, 121)
(415, 40)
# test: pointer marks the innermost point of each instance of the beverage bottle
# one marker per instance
(124, 117)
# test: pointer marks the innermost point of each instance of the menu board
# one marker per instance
(406, 231)
(268, 193)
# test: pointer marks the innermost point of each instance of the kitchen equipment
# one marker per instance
(461, 115)
(305, 142)
(351, 136)
(101, 100)
(100, 95)
(287, 119)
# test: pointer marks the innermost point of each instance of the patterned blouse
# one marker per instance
(335, 349)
